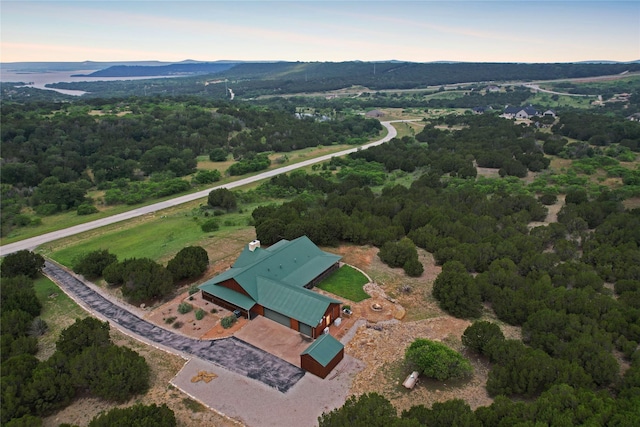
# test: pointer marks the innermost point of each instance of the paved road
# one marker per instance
(231, 353)
(55, 235)
(539, 89)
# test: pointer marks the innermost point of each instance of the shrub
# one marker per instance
(193, 290)
(548, 199)
(200, 313)
(228, 321)
(190, 262)
(46, 209)
(145, 279)
(477, 336)
(178, 325)
(210, 225)
(436, 360)
(206, 177)
(91, 264)
(170, 320)
(213, 310)
(218, 155)
(38, 327)
(22, 263)
(184, 308)
(136, 415)
(413, 267)
(86, 209)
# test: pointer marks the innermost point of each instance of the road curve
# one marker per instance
(34, 242)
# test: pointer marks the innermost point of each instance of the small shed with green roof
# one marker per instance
(276, 283)
(322, 356)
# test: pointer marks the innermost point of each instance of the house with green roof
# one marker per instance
(276, 283)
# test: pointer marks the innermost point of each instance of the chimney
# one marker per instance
(253, 245)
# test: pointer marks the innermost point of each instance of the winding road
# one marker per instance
(34, 242)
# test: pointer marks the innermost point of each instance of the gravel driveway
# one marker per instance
(230, 353)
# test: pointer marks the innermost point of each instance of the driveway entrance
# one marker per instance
(275, 338)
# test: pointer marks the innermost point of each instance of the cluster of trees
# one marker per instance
(560, 405)
(19, 325)
(85, 362)
(140, 148)
(250, 163)
(222, 198)
(563, 397)
(549, 279)
(599, 130)
(124, 191)
(455, 221)
(143, 279)
(402, 254)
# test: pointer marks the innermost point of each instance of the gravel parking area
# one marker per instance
(254, 404)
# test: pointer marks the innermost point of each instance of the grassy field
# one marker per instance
(347, 282)
(58, 310)
(563, 101)
(157, 236)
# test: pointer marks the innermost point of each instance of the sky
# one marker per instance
(313, 30)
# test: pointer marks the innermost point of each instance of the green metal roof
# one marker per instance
(324, 349)
(301, 304)
(294, 262)
(275, 277)
(229, 295)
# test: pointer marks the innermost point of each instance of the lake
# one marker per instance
(38, 80)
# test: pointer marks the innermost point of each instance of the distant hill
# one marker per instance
(179, 69)
(254, 79)
(35, 67)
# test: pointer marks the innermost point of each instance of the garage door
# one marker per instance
(280, 318)
(305, 329)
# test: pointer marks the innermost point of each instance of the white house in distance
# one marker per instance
(511, 112)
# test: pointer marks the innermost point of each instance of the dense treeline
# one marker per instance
(599, 130)
(85, 362)
(137, 149)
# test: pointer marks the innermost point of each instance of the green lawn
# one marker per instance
(346, 282)
(153, 239)
(158, 237)
(58, 310)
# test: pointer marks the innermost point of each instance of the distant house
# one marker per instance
(492, 88)
(527, 112)
(276, 282)
(322, 356)
(482, 110)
